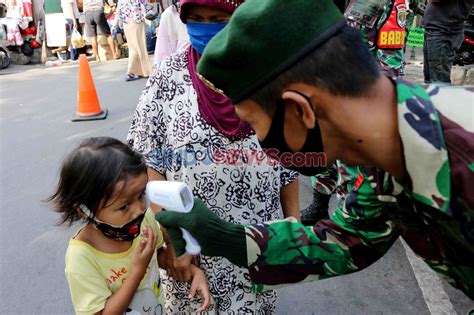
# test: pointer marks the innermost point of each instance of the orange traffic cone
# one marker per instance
(88, 107)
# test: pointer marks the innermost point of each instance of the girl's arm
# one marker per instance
(290, 203)
(199, 285)
(176, 267)
(118, 302)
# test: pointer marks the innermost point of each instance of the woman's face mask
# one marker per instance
(126, 232)
(201, 33)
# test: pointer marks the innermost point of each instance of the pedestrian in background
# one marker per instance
(71, 14)
(131, 14)
(96, 24)
(444, 33)
(172, 34)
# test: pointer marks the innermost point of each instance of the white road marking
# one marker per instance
(431, 286)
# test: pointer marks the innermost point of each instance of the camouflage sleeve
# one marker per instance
(347, 176)
(326, 182)
(285, 251)
(390, 60)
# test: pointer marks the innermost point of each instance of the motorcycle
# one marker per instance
(465, 54)
(5, 59)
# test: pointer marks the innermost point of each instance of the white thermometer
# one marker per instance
(174, 196)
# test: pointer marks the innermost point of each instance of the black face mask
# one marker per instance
(126, 232)
(308, 159)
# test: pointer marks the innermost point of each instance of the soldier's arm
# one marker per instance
(358, 234)
(286, 251)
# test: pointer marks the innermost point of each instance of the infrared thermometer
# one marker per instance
(174, 196)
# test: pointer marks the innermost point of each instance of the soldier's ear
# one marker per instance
(302, 105)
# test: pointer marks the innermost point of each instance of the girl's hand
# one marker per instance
(200, 286)
(144, 252)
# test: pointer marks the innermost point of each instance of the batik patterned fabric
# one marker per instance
(236, 184)
(433, 210)
(132, 11)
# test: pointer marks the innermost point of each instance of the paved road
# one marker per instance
(35, 134)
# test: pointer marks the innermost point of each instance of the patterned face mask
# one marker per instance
(126, 232)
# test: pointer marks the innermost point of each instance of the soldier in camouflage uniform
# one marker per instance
(370, 17)
(422, 137)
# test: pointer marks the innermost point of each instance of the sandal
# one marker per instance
(131, 77)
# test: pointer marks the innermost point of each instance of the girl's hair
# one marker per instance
(89, 174)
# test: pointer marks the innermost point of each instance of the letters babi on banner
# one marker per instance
(392, 33)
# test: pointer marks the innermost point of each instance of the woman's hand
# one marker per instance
(200, 286)
(177, 267)
(144, 252)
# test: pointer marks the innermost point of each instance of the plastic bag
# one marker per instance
(77, 40)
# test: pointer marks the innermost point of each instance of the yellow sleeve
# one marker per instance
(89, 289)
(150, 219)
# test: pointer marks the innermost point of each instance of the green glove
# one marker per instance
(215, 236)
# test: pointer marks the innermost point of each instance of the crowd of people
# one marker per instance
(124, 17)
(235, 101)
(114, 18)
(442, 22)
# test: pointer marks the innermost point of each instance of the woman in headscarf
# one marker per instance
(188, 132)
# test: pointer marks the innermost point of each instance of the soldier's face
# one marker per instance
(292, 131)
(298, 119)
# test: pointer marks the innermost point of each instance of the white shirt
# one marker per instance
(172, 35)
(67, 11)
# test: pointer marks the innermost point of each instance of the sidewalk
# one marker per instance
(14, 68)
(460, 75)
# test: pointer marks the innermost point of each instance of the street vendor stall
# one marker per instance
(19, 32)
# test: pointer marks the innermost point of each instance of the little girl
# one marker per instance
(112, 261)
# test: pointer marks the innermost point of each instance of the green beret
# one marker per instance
(263, 39)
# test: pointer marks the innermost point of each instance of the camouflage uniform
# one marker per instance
(432, 209)
(339, 177)
(390, 60)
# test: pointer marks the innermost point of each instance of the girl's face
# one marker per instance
(126, 203)
(205, 14)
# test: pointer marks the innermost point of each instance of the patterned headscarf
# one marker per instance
(216, 109)
(226, 5)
